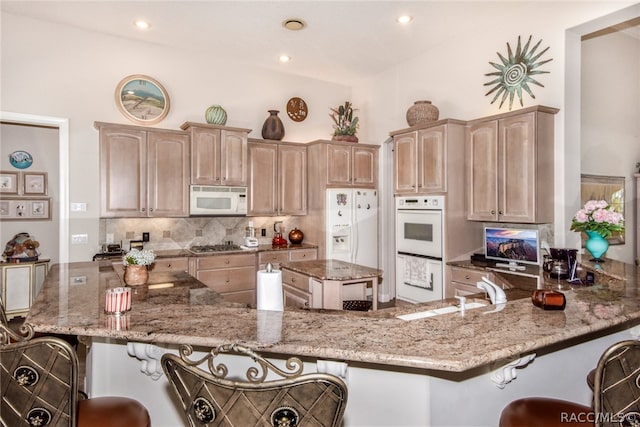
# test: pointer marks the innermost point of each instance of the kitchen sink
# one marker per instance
(442, 310)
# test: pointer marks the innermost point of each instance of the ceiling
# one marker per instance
(343, 41)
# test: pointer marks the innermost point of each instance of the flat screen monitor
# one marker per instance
(512, 247)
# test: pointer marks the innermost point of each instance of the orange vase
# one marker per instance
(136, 275)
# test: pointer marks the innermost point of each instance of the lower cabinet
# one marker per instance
(282, 255)
(301, 290)
(171, 264)
(463, 281)
(233, 276)
(21, 283)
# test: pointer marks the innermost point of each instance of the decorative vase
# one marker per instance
(136, 275)
(596, 245)
(216, 115)
(273, 127)
(347, 138)
(422, 112)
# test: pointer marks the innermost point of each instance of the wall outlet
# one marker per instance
(145, 236)
(79, 239)
(263, 232)
(110, 238)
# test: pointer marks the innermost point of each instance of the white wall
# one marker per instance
(610, 138)
(42, 144)
(54, 70)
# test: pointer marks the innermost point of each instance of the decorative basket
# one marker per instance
(357, 305)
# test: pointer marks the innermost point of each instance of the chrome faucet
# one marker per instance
(496, 294)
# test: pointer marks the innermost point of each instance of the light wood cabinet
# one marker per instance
(284, 255)
(20, 284)
(171, 264)
(143, 172)
(463, 281)
(343, 165)
(232, 275)
(218, 154)
(510, 167)
(277, 179)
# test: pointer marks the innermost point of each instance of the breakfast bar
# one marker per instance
(393, 367)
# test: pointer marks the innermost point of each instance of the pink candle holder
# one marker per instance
(117, 301)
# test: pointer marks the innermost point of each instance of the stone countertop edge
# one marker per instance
(439, 343)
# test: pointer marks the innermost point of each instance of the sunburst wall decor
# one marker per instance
(514, 74)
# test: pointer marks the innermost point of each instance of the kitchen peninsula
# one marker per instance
(396, 370)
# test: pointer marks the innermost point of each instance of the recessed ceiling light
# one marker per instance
(285, 58)
(142, 25)
(294, 24)
(404, 19)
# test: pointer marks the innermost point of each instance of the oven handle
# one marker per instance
(420, 256)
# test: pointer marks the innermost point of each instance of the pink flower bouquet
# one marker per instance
(598, 216)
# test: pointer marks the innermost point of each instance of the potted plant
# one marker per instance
(599, 220)
(136, 262)
(345, 124)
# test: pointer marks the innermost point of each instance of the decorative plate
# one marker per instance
(297, 109)
(20, 159)
(142, 99)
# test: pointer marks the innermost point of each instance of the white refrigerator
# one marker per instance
(352, 226)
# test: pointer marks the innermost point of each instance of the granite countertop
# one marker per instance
(331, 269)
(188, 312)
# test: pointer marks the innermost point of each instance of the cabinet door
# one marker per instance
(41, 270)
(405, 163)
(234, 158)
(338, 165)
(171, 264)
(263, 176)
(365, 166)
(482, 175)
(432, 160)
(168, 174)
(517, 164)
(123, 173)
(16, 289)
(292, 180)
(205, 156)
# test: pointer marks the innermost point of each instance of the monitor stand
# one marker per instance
(513, 266)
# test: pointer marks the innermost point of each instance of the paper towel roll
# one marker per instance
(269, 290)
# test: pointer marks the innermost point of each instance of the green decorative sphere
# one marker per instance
(216, 115)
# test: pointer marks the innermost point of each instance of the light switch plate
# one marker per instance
(79, 239)
(78, 207)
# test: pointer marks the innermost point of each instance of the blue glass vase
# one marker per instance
(596, 245)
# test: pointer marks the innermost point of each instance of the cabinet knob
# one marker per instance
(143, 209)
(467, 277)
(150, 209)
(169, 265)
(493, 212)
(226, 261)
(293, 280)
(500, 212)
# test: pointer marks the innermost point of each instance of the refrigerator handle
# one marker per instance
(354, 240)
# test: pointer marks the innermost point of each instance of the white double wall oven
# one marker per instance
(419, 248)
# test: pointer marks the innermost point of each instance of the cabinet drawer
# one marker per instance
(294, 297)
(303, 254)
(273, 257)
(462, 290)
(171, 264)
(225, 261)
(229, 279)
(296, 280)
(470, 277)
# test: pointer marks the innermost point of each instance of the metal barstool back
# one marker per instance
(213, 399)
(617, 385)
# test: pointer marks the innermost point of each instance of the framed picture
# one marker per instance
(25, 208)
(35, 183)
(9, 182)
(609, 188)
(142, 99)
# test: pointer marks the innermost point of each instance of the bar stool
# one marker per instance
(616, 396)
(209, 397)
(39, 386)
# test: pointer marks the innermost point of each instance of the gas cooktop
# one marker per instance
(215, 248)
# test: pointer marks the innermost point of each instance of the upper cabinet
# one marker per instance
(144, 172)
(340, 164)
(421, 156)
(218, 154)
(277, 178)
(510, 167)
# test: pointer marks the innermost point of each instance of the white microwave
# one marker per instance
(213, 200)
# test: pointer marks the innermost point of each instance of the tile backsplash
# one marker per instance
(181, 233)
